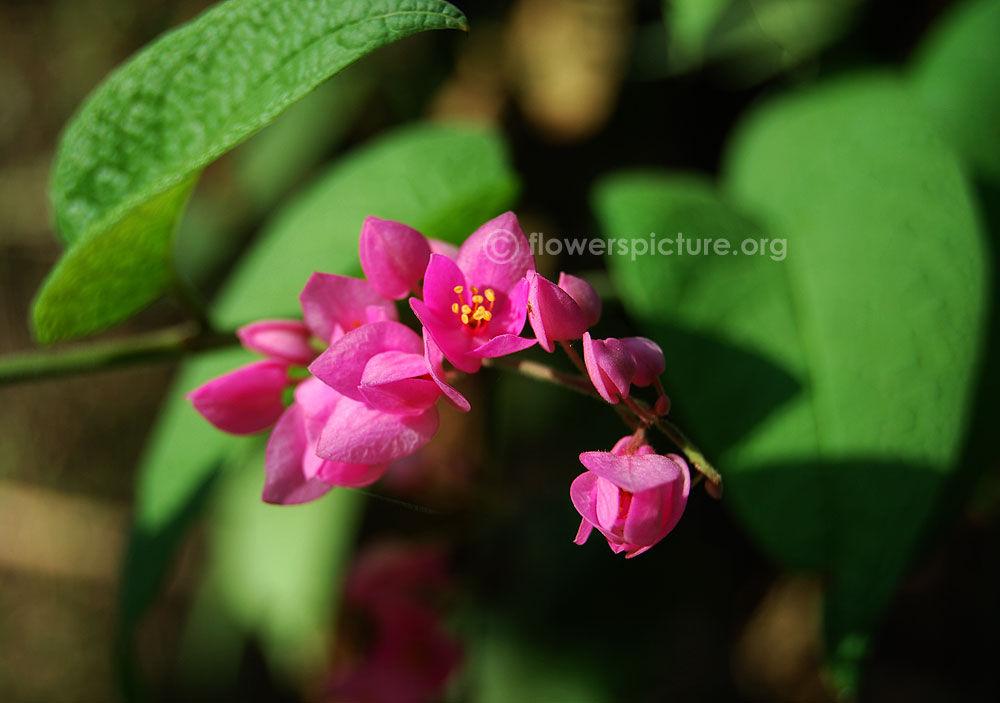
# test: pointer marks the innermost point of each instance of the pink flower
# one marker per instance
(633, 496)
(287, 340)
(615, 364)
(332, 305)
(246, 400)
(393, 256)
(411, 656)
(554, 315)
(584, 295)
(474, 306)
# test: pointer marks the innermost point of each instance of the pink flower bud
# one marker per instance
(649, 362)
(552, 312)
(584, 295)
(633, 496)
(393, 256)
(246, 400)
(285, 340)
(610, 366)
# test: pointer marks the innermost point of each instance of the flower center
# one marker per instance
(474, 316)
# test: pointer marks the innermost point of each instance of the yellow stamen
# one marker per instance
(458, 289)
(454, 308)
(475, 291)
(465, 319)
(466, 309)
(490, 295)
(477, 299)
(487, 315)
(479, 314)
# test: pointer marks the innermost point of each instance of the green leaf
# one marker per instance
(954, 76)
(277, 571)
(839, 376)
(445, 180)
(103, 280)
(176, 106)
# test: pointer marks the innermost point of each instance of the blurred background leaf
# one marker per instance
(954, 76)
(876, 315)
(236, 66)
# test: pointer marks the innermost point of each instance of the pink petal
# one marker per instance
(391, 384)
(342, 365)
(329, 300)
(647, 517)
(649, 361)
(584, 295)
(450, 337)
(607, 503)
(335, 473)
(393, 256)
(502, 345)
(592, 348)
(609, 365)
(246, 400)
(286, 340)
(358, 434)
(440, 281)
(511, 310)
(285, 482)
(497, 255)
(434, 356)
(443, 248)
(634, 473)
(584, 532)
(553, 314)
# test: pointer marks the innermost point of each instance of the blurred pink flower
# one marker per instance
(475, 306)
(411, 655)
(632, 495)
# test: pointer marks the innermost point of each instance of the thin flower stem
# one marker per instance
(541, 372)
(632, 413)
(162, 345)
(690, 450)
(575, 358)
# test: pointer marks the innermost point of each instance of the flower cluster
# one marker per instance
(371, 391)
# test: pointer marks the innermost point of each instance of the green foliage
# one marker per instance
(954, 75)
(753, 38)
(834, 384)
(176, 106)
(277, 571)
(102, 280)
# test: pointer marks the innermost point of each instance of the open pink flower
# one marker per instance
(475, 306)
(632, 495)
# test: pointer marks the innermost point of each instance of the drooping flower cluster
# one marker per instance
(370, 395)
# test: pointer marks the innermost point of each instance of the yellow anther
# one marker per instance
(490, 295)
(454, 308)
(477, 299)
(479, 314)
(487, 315)
(458, 289)
(466, 309)
(465, 319)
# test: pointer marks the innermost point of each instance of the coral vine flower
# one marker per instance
(615, 364)
(246, 400)
(393, 256)
(553, 313)
(632, 495)
(475, 306)
(584, 295)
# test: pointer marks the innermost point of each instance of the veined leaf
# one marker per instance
(180, 103)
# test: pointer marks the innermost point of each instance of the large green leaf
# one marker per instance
(277, 571)
(444, 180)
(176, 106)
(954, 76)
(831, 385)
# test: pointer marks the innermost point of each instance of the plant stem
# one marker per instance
(690, 450)
(541, 372)
(162, 345)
